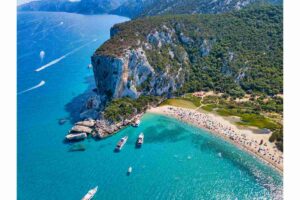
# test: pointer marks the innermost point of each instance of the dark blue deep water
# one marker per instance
(177, 161)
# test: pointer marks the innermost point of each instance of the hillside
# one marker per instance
(200, 7)
(234, 53)
(138, 8)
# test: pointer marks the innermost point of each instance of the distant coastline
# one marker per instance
(240, 138)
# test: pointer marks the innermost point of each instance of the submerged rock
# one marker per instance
(77, 147)
(62, 121)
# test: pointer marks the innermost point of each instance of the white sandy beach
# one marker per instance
(243, 138)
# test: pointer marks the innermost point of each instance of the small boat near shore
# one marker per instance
(140, 140)
(136, 123)
(121, 143)
(90, 194)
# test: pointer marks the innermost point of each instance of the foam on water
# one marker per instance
(34, 87)
(53, 62)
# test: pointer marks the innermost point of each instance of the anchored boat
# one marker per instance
(90, 194)
(129, 170)
(140, 140)
(121, 143)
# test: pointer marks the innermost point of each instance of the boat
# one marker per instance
(121, 143)
(136, 123)
(90, 194)
(140, 139)
(129, 170)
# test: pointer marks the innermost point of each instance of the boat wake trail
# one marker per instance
(51, 63)
(34, 87)
(63, 57)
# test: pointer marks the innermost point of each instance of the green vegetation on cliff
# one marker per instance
(125, 108)
(235, 53)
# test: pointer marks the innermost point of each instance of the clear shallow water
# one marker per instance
(177, 161)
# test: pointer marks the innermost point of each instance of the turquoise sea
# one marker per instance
(177, 161)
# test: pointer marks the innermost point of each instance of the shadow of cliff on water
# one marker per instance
(77, 104)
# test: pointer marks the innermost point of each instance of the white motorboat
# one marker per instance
(90, 194)
(140, 139)
(121, 143)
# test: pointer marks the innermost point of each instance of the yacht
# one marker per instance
(121, 143)
(90, 194)
(140, 139)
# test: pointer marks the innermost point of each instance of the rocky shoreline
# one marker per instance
(99, 128)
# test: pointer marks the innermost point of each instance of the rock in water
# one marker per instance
(81, 129)
(62, 121)
(87, 123)
(76, 136)
(77, 147)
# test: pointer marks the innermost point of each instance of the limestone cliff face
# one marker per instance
(108, 74)
(131, 75)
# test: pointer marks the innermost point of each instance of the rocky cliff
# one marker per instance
(231, 53)
(129, 74)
